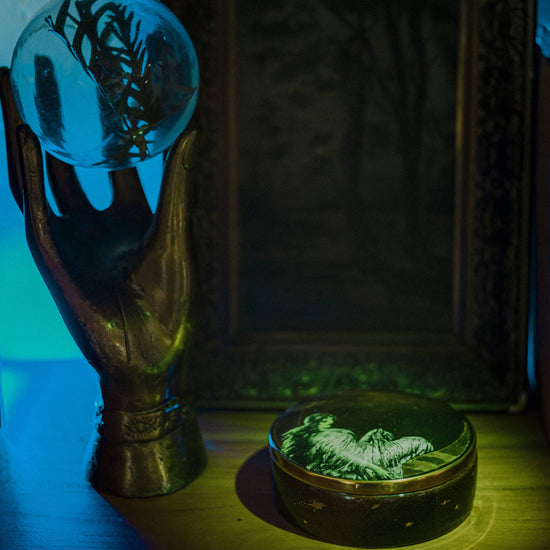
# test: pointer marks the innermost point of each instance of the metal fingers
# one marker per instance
(173, 212)
(11, 122)
(128, 194)
(66, 189)
(36, 209)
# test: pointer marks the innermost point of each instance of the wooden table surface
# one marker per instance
(45, 502)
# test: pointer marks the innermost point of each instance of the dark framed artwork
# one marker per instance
(362, 198)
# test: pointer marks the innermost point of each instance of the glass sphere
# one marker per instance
(105, 83)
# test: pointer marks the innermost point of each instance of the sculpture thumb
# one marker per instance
(174, 201)
(167, 259)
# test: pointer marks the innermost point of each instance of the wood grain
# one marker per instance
(46, 503)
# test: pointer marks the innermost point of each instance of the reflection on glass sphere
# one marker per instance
(105, 82)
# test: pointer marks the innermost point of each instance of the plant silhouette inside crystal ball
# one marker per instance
(105, 83)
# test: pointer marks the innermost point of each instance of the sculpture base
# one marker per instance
(150, 467)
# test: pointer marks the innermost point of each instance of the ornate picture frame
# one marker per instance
(479, 360)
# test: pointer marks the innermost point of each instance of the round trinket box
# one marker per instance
(374, 469)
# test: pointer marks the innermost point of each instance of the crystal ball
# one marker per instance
(105, 83)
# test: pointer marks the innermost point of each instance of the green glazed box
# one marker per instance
(374, 469)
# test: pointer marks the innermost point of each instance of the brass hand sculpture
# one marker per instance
(123, 281)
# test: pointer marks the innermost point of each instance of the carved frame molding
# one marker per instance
(482, 363)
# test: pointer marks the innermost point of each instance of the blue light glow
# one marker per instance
(31, 327)
(543, 27)
(532, 333)
(48, 422)
(48, 391)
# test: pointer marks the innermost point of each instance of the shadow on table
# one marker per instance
(254, 488)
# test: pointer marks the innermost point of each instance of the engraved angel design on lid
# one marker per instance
(320, 447)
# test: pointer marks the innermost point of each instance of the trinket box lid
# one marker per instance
(372, 442)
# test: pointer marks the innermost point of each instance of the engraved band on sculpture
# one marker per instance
(125, 426)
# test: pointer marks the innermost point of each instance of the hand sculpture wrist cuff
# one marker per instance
(129, 427)
(147, 453)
